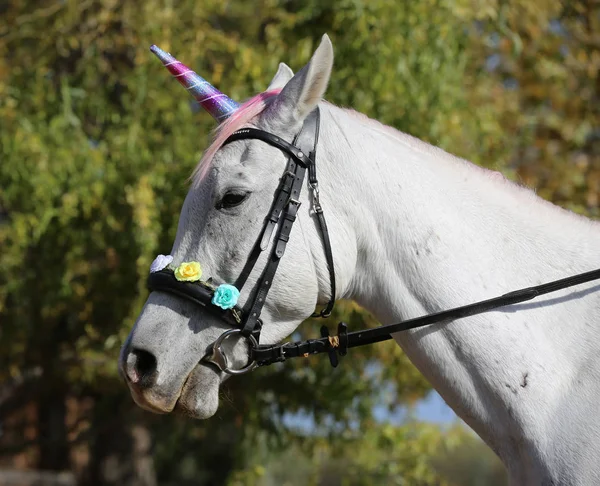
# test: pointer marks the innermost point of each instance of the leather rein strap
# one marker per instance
(334, 345)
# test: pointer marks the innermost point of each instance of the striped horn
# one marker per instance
(219, 105)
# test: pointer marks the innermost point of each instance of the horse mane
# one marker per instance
(249, 109)
(258, 103)
(516, 188)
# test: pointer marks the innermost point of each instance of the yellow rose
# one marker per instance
(188, 272)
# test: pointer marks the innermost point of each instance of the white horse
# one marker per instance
(414, 230)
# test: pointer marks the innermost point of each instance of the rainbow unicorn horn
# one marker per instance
(219, 105)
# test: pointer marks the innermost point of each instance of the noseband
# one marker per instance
(246, 321)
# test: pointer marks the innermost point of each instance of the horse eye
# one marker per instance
(232, 199)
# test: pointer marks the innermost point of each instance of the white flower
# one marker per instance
(160, 262)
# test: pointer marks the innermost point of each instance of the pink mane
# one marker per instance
(250, 109)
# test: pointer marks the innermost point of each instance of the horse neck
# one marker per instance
(429, 232)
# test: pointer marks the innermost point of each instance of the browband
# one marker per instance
(297, 154)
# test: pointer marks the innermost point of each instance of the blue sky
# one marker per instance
(434, 409)
(431, 409)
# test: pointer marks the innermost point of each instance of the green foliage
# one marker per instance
(465, 461)
(543, 90)
(416, 454)
(97, 142)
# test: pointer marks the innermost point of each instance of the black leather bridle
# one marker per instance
(246, 321)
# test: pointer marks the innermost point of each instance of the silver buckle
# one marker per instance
(218, 357)
(315, 198)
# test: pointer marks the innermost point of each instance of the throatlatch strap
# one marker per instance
(324, 233)
(312, 160)
(326, 312)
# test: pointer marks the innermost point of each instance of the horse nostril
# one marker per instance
(141, 367)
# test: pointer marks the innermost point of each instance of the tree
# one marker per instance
(540, 78)
(96, 143)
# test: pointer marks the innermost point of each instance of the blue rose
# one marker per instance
(226, 296)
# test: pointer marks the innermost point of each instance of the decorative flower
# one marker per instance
(188, 272)
(225, 296)
(160, 262)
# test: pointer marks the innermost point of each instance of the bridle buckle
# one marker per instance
(315, 197)
(297, 203)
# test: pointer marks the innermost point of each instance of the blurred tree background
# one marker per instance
(96, 144)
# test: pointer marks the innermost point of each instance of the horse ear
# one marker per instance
(281, 78)
(303, 92)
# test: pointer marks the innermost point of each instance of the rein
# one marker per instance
(339, 345)
(246, 322)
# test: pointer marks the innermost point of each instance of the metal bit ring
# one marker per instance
(218, 357)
